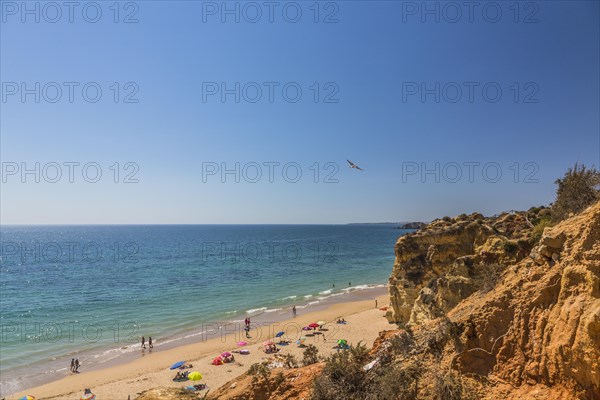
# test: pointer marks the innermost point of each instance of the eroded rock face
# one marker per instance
(541, 323)
(442, 264)
(549, 248)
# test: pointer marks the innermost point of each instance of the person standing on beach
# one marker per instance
(72, 365)
(247, 329)
(294, 311)
(77, 365)
(375, 303)
(143, 342)
(150, 340)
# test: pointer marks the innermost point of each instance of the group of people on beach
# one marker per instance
(149, 342)
(75, 365)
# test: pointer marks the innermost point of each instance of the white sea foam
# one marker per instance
(253, 310)
(312, 303)
(358, 287)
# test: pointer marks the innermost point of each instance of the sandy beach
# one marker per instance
(152, 370)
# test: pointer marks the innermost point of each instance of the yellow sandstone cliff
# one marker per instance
(539, 323)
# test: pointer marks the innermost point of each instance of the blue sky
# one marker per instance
(367, 63)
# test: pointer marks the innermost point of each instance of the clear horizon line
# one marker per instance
(191, 224)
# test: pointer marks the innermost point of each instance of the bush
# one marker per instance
(279, 379)
(290, 361)
(359, 353)
(343, 377)
(397, 382)
(402, 343)
(449, 386)
(578, 189)
(259, 370)
(538, 229)
(311, 355)
(510, 246)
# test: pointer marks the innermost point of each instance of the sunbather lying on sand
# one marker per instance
(271, 349)
(196, 388)
(181, 376)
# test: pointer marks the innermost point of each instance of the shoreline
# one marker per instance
(23, 377)
(218, 337)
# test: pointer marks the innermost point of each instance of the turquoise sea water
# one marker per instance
(92, 291)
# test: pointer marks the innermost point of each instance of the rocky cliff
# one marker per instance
(526, 311)
(450, 259)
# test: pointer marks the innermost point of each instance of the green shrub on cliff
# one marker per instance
(577, 189)
(343, 378)
(310, 355)
(538, 229)
(510, 246)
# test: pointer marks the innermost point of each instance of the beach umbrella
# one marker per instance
(27, 398)
(177, 364)
(342, 342)
(321, 323)
(314, 325)
(280, 334)
(195, 376)
(226, 354)
(268, 343)
(88, 396)
(307, 328)
(242, 343)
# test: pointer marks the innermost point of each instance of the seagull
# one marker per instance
(352, 165)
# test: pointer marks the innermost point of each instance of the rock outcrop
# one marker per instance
(541, 323)
(538, 323)
(283, 384)
(438, 266)
(413, 225)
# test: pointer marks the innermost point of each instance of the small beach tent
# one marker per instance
(242, 343)
(195, 376)
(27, 398)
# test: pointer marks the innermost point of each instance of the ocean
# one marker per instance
(92, 291)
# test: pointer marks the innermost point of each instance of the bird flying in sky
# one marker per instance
(352, 165)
